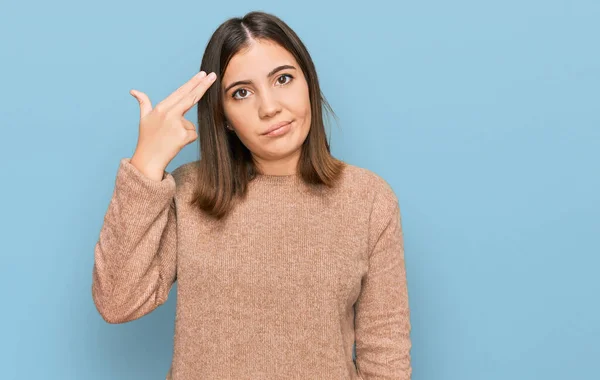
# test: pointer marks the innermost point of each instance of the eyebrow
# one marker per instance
(274, 71)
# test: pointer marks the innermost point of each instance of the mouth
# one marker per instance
(275, 128)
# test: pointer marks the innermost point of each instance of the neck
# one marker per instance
(285, 166)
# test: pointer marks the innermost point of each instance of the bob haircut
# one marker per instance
(227, 165)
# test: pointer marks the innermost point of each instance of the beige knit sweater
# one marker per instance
(280, 289)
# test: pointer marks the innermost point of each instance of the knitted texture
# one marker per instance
(281, 288)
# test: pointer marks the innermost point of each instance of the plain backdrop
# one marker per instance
(483, 116)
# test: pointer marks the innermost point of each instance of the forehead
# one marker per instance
(257, 60)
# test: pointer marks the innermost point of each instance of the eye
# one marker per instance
(284, 76)
(242, 93)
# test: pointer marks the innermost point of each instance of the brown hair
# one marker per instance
(227, 166)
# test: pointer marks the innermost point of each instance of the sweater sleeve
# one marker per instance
(382, 319)
(135, 255)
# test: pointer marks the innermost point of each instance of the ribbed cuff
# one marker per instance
(139, 187)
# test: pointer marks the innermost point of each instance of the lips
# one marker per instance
(276, 126)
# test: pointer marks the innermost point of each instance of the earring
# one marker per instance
(228, 127)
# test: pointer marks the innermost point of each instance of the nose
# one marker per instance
(269, 105)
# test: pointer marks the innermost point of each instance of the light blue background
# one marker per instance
(483, 116)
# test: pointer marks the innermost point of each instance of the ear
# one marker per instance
(228, 124)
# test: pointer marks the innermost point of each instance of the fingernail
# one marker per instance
(201, 74)
(212, 76)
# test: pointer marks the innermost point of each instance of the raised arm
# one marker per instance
(135, 256)
(135, 259)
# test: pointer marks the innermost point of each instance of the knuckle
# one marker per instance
(182, 133)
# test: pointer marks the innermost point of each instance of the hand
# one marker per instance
(163, 131)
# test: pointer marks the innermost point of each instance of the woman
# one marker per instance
(284, 256)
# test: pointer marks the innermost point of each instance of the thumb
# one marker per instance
(145, 105)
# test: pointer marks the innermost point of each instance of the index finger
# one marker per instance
(188, 101)
(182, 91)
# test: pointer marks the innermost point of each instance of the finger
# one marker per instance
(182, 91)
(145, 105)
(190, 129)
(188, 125)
(187, 102)
(192, 136)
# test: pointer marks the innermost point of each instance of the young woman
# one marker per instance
(284, 256)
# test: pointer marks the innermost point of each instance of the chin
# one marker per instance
(275, 154)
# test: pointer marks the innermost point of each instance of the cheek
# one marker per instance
(301, 104)
(237, 115)
(307, 110)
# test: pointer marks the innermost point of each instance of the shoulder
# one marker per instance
(372, 197)
(185, 174)
(368, 185)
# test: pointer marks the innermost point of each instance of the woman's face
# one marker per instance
(264, 86)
